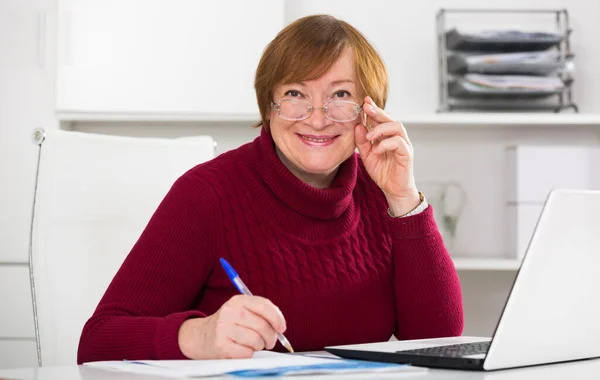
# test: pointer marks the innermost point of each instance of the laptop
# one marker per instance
(552, 313)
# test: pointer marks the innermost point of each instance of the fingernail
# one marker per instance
(369, 135)
(371, 108)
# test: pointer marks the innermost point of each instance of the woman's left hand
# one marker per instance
(389, 158)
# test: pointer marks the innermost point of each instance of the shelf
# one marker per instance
(155, 117)
(425, 120)
(486, 264)
(499, 119)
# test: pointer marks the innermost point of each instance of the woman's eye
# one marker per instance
(342, 94)
(292, 93)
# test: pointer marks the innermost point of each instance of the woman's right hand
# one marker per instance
(243, 324)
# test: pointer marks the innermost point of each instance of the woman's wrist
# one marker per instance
(187, 337)
(400, 206)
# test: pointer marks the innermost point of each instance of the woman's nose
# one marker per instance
(317, 117)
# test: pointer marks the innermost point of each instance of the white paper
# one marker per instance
(547, 57)
(208, 368)
(526, 82)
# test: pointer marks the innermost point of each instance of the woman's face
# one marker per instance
(316, 146)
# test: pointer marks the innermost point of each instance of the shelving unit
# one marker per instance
(463, 92)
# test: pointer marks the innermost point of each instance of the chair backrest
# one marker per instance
(95, 195)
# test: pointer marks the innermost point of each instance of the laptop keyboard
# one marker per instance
(452, 351)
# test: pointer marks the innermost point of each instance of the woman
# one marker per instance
(341, 244)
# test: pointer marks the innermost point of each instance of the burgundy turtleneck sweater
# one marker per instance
(341, 269)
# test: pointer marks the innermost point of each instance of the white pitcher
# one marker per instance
(448, 199)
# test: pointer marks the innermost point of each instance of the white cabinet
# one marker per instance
(521, 219)
(18, 353)
(162, 56)
(535, 170)
(16, 318)
(17, 333)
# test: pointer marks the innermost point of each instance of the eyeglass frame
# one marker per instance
(277, 108)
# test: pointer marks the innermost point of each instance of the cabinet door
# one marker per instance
(162, 56)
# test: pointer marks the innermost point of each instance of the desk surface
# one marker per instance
(581, 370)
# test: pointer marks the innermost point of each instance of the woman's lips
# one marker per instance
(313, 140)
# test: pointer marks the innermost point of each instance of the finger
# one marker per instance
(254, 322)
(374, 112)
(392, 144)
(388, 130)
(233, 350)
(246, 337)
(267, 310)
(362, 143)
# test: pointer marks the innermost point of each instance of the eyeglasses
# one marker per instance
(334, 110)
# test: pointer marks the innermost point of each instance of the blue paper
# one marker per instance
(337, 366)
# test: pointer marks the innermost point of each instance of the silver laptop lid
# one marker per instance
(553, 311)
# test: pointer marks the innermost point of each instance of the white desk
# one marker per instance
(582, 370)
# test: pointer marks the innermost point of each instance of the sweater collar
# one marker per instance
(303, 198)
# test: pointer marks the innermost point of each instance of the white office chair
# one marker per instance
(94, 196)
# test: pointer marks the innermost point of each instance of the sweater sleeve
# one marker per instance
(154, 290)
(427, 288)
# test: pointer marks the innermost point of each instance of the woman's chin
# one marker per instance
(319, 169)
(321, 166)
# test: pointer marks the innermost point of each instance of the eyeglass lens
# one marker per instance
(335, 110)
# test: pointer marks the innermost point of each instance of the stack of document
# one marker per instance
(515, 82)
(551, 56)
(515, 35)
(264, 363)
(506, 70)
(538, 63)
(501, 40)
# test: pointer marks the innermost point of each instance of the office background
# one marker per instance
(166, 69)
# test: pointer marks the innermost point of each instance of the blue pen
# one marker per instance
(242, 288)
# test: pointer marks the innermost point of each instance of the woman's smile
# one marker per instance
(317, 140)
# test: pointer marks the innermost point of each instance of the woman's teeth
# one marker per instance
(316, 140)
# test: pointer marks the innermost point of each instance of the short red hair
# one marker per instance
(306, 49)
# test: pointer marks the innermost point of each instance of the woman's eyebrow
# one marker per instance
(341, 81)
(302, 84)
